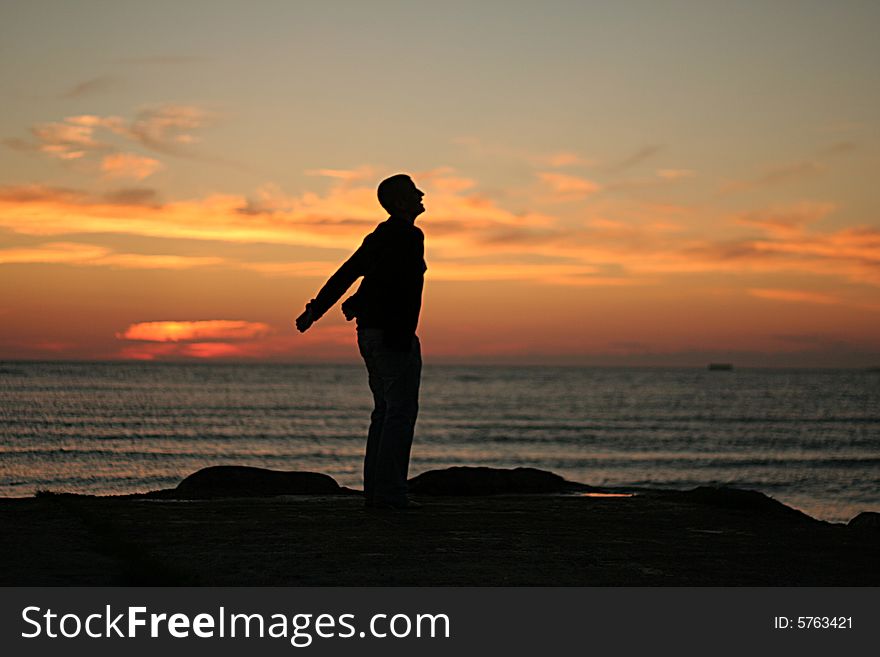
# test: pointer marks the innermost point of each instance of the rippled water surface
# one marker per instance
(810, 438)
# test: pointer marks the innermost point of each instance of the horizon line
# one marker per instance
(355, 363)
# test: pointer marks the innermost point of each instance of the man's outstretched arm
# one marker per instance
(356, 266)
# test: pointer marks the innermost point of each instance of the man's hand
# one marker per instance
(304, 321)
(348, 308)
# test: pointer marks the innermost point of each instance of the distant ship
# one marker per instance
(720, 367)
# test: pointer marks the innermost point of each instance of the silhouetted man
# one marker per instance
(386, 305)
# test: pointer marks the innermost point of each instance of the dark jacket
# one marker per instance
(392, 262)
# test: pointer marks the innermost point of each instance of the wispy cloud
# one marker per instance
(345, 175)
(129, 165)
(776, 175)
(77, 253)
(61, 196)
(54, 252)
(675, 174)
(299, 269)
(12, 194)
(566, 187)
(167, 129)
(92, 87)
(850, 253)
(792, 171)
(797, 296)
(156, 261)
(633, 160)
(445, 180)
(133, 196)
(66, 140)
(561, 159)
(785, 220)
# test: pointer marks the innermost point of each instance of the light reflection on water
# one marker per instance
(607, 494)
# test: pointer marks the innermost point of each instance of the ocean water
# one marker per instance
(809, 438)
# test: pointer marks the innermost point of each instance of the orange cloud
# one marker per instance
(458, 271)
(73, 137)
(794, 295)
(444, 180)
(65, 141)
(787, 220)
(168, 127)
(75, 253)
(308, 269)
(148, 261)
(860, 244)
(129, 165)
(610, 242)
(675, 174)
(346, 175)
(201, 331)
(560, 159)
(53, 252)
(568, 187)
(165, 129)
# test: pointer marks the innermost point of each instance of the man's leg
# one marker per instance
(400, 374)
(366, 344)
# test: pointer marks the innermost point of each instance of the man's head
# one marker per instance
(400, 196)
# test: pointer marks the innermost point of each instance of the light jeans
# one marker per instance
(394, 381)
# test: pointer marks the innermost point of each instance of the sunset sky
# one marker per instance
(610, 183)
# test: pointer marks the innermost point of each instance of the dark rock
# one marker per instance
(865, 521)
(243, 481)
(738, 499)
(491, 481)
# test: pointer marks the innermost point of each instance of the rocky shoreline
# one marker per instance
(236, 526)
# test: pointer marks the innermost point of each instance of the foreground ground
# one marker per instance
(649, 539)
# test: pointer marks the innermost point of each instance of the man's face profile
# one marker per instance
(409, 199)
